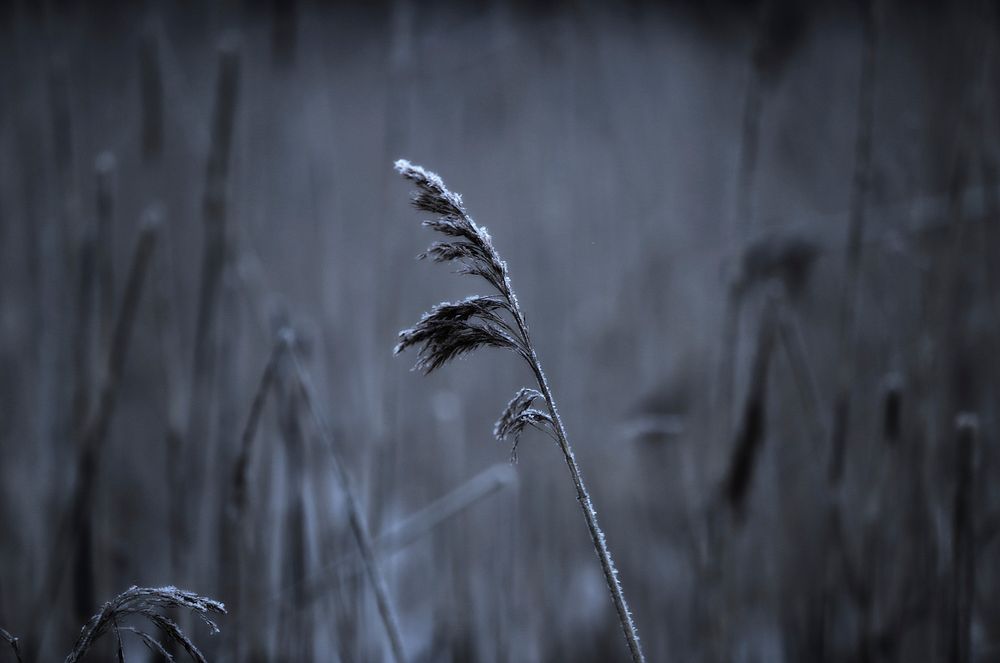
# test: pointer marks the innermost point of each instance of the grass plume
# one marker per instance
(453, 329)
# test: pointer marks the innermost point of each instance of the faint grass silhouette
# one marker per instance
(93, 436)
(359, 527)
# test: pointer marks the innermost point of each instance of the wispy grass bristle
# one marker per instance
(518, 415)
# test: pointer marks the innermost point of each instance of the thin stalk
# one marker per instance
(582, 495)
(205, 369)
(790, 334)
(234, 540)
(358, 526)
(176, 397)
(294, 633)
(963, 539)
(840, 419)
(105, 167)
(241, 473)
(151, 94)
(418, 525)
(749, 436)
(742, 224)
(95, 434)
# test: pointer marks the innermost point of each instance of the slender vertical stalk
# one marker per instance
(295, 641)
(166, 323)
(790, 334)
(105, 166)
(963, 538)
(82, 337)
(892, 409)
(83, 543)
(94, 435)
(234, 552)
(840, 419)
(151, 94)
(357, 522)
(214, 218)
(742, 223)
(751, 431)
(202, 405)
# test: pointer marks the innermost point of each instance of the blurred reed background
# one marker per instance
(756, 243)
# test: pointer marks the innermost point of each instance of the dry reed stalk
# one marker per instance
(727, 362)
(241, 471)
(953, 306)
(82, 336)
(95, 270)
(105, 167)
(32, 230)
(151, 94)
(892, 408)
(226, 426)
(417, 525)
(963, 537)
(752, 427)
(790, 334)
(839, 420)
(148, 602)
(93, 437)
(214, 255)
(452, 329)
(58, 232)
(742, 220)
(235, 537)
(295, 632)
(359, 528)
(176, 397)
(847, 311)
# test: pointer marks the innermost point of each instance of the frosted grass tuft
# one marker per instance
(148, 603)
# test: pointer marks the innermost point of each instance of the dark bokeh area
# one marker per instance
(756, 245)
